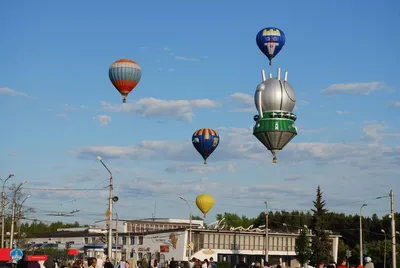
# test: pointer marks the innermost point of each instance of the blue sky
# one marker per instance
(200, 68)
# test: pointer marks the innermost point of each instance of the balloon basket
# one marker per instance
(275, 160)
(124, 100)
(205, 162)
(270, 63)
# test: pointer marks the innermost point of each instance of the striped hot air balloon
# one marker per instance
(205, 141)
(125, 74)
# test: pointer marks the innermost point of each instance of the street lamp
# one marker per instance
(3, 207)
(287, 245)
(19, 217)
(110, 208)
(190, 227)
(384, 256)
(266, 231)
(14, 201)
(361, 235)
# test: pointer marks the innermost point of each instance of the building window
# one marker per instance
(86, 240)
(132, 240)
(140, 240)
(124, 240)
(93, 239)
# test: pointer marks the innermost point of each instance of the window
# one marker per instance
(140, 240)
(86, 240)
(132, 240)
(124, 240)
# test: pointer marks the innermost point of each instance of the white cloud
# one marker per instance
(185, 58)
(11, 92)
(149, 107)
(245, 101)
(365, 88)
(375, 131)
(74, 108)
(167, 49)
(63, 116)
(341, 112)
(103, 119)
(396, 104)
(198, 167)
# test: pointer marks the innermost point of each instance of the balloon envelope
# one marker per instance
(205, 141)
(205, 203)
(270, 41)
(125, 74)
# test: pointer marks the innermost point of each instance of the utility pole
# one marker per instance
(393, 229)
(361, 236)
(190, 228)
(3, 207)
(14, 204)
(266, 231)
(110, 208)
(116, 236)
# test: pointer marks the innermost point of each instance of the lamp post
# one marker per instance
(266, 231)
(287, 245)
(190, 227)
(109, 212)
(361, 236)
(14, 201)
(3, 207)
(384, 254)
(19, 217)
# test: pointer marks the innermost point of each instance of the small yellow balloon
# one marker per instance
(205, 203)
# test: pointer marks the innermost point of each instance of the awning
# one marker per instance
(35, 257)
(73, 251)
(5, 254)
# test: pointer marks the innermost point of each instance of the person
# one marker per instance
(49, 262)
(144, 263)
(99, 262)
(278, 264)
(93, 264)
(343, 264)
(122, 263)
(368, 262)
(257, 265)
(108, 264)
(212, 263)
(242, 263)
(173, 263)
(205, 264)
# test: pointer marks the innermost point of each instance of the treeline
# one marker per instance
(348, 226)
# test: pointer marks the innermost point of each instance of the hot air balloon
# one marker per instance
(270, 41)
(275, 101)
(205, 203)
(125, 74)
(205, 141)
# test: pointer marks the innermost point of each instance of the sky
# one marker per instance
(200, 68)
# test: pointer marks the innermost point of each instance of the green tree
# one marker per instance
(320, 244)
(302, 247)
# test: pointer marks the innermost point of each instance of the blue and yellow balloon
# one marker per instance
(205, 141)
(270, 41)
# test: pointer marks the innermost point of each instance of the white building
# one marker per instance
(221, 244)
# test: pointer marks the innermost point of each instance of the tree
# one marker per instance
(320, 244)
(302, 247)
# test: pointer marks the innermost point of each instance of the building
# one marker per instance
(164, 242)
(151, 224)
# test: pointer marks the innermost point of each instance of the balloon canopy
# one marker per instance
(270, 41)
(205, 203)
(125, 74)
(205, 141)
